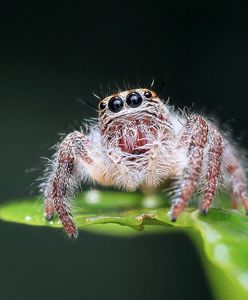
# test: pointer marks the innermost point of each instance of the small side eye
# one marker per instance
(148, 94)
(102, 105)
(115, 104)
(134, 99)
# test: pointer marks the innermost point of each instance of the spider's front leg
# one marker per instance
(62, 179)
(197, 129)
(214, 158)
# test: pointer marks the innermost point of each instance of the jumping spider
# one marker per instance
(139, 143)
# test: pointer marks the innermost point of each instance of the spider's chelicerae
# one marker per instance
(139, 143)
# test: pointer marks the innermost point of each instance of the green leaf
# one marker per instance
(221, 237)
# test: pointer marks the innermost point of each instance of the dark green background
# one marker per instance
(55, 52)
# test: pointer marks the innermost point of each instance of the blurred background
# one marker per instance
(53, 53)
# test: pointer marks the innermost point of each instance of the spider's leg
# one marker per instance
(61, 181)
(214, 156)
(151, 177)
(237, 180)
(190, 175)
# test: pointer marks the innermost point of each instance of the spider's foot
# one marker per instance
(203, 211)
(49, 212)
(173, 218)
(171, 215)
(73, 235)
(175, 212)
(70, 228)
(49, 216)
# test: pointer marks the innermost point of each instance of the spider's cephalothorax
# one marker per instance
(140, 142)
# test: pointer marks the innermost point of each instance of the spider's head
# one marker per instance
(129, 105)
(130, 119)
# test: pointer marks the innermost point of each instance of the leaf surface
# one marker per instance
(221, 237)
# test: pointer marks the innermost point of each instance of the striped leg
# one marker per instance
(61, 180)
(213, 171)
(192, 171)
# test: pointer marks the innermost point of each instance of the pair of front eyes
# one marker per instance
(133, 99)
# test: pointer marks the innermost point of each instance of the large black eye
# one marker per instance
(134, 99)
(102, 105)
(115, 104)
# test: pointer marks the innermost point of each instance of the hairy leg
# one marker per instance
(198, 128)
(237, 180)
(61, 180)
(213, 170)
